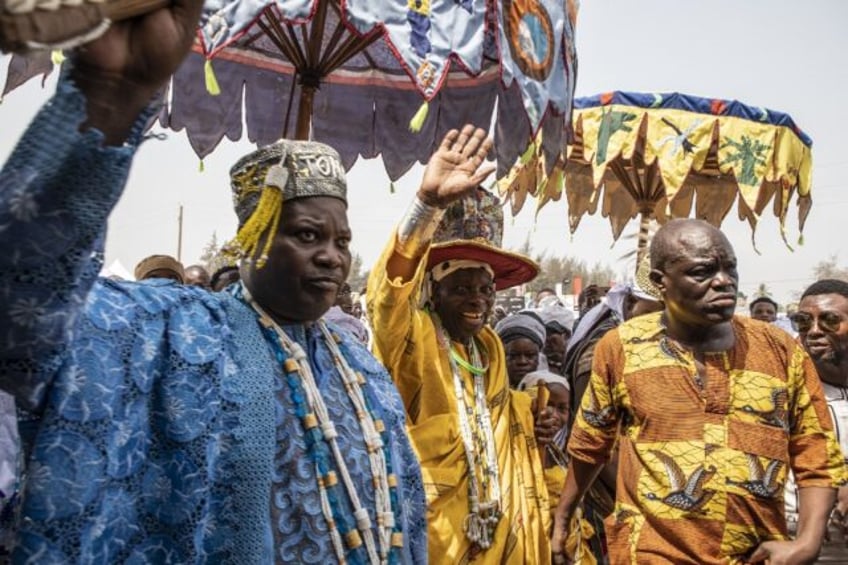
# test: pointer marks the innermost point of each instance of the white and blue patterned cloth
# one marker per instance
(153, 417)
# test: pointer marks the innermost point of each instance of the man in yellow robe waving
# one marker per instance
(429, 303)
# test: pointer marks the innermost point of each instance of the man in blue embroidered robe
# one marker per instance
(160, 422)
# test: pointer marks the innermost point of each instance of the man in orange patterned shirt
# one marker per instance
(710, 411)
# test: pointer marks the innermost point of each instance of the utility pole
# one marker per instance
(180, 235)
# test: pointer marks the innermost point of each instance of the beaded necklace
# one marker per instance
(474, 370)
(347, 539)
(484, 514)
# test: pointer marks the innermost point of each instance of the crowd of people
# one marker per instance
(260, 415)
(170, 268)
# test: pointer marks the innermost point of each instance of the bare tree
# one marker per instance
(830, 269)
(564, 270)
(357, 277)
(211, 257)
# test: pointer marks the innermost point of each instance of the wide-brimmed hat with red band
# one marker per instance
(472, 229)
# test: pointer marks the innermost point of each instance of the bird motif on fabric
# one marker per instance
(763, 481)
(687, 493)
(596, 416)
(681, 139)
(777, 416)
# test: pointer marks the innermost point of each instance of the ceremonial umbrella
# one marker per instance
(654, 155)
(354, 74)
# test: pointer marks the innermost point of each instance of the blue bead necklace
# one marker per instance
(352, 537)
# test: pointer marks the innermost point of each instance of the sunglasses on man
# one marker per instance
(829, 322)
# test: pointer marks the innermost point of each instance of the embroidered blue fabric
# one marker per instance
(151, 415)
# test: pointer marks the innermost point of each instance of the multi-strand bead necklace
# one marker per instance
(320, 434)
(479, 442)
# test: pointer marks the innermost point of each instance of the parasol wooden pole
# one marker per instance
(310, 77)
(304, 112)
(646, 215)
(311, 65)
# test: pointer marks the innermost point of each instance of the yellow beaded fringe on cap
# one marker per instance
(263, 222)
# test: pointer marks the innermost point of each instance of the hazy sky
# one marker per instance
(781, 54)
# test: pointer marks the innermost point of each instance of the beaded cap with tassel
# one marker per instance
(264, 180)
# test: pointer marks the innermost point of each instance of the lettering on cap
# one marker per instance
(319, 165)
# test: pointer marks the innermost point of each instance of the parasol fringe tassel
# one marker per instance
(201, 167)
(57, 57)
(212, 86)
(783, 237)
(754, 242)
(528, 153)
(391, 187)
(417, 121)
(801, 239)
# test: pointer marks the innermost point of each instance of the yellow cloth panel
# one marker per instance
(789, 151)
(746, 148)
(609, 131)
(681, 141)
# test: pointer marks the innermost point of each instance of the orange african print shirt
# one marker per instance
(701, 470)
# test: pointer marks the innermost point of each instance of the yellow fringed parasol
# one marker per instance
(658, 155)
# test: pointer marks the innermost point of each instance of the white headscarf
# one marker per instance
(542, 377)
(445, 268)
(522, 324)
(555, 313)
